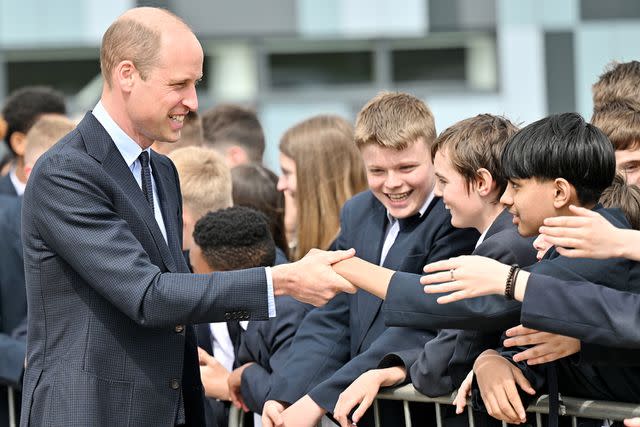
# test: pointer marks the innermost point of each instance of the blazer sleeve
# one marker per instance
(277, 335)
(592, 313)
(73, 212)
(326, 393)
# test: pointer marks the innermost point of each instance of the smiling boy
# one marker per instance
(398, 223)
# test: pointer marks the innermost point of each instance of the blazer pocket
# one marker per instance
(82, 398)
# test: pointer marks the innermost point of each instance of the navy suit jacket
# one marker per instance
(267, 344)
(338, 342)
(13, 302)
(440, 366)
(6, 186)
(108, 297)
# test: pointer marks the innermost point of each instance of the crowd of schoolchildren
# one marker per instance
(528, 235)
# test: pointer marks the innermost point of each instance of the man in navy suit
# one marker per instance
(108, 289)
(22, 109)
(398, 223)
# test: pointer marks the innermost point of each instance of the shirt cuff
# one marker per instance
(271, 303)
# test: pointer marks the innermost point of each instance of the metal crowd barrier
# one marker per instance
(570, 407)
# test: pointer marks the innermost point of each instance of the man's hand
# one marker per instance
(303, 413)
(235, 381)
(464, 391)
(547, 346)
(311, 279)
(363, 392)
(498, 380)
(585, 235)
(272, 414)
(213, 376)
(466, 277)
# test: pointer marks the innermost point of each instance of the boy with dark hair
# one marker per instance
(22, 109)
(551, 164)
(398, 223)
(232, 239)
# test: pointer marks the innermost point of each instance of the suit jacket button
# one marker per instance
(175, 384)
(179, 328)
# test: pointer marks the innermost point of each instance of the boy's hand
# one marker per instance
(465, 277)
(498, 380)
(464, 391)
(213, 376)
(363, 391)
(235, 381)
(547, 346)
(585, 235)
(272, 414)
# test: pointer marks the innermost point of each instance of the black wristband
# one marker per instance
(511, 281)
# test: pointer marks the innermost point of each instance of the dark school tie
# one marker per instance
(147, 188)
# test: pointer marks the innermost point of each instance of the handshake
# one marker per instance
(313, 279)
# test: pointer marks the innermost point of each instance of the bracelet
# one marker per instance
(511, 281)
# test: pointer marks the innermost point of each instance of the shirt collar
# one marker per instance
(127, 147)
(421, 211)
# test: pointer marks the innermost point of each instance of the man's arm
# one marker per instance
(78, 221)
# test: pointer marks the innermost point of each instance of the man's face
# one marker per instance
(400, 179)
(628, 163)
(530, 201)
(462, 201)
(158, 105)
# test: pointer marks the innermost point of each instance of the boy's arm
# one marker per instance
(258, 379)
(365, 275)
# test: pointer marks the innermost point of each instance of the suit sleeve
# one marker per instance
(592, 313)
(406, 303)
(77, 218)
(277, 334)
(321, 344)
(326, 393)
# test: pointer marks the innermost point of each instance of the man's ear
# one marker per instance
(563, 194)
(124, 75)
(484, 183)
(18, 140)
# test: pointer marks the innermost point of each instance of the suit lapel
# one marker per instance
(101, 147)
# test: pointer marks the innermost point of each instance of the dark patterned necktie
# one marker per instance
(147, 188)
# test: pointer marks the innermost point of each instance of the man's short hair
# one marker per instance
(46, 131)
(205, 180)
(25, 105)
(620, 81)
(235, 238)
(620, 121)
(394, 120)
(624, 197)
(228, 124)
(562, 146)
(476, 143)
(129, 39)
